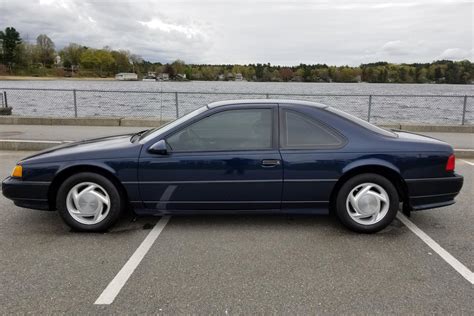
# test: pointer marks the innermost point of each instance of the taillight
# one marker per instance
(451, 163)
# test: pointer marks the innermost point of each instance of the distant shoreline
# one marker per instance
(21, 78)
(53, 78)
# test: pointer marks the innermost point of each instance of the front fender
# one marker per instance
(84, 164)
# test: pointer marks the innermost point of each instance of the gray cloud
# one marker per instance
(249, 31)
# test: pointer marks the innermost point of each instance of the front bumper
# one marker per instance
(28, 194)
(430, 193)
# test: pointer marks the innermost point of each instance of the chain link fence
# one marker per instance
(167, 105)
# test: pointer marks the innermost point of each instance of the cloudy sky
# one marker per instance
(285, 32)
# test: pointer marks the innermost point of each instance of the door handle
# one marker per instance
(268, 163)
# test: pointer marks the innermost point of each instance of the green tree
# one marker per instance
(97, 59)
(178, 66)
(26, 55)
(121, 60)
(71, 55)
(10, 39)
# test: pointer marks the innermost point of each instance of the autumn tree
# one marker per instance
(45, 48)
(286, 74)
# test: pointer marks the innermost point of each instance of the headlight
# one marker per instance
(17, 171)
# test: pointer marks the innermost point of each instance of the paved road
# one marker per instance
(68, 133)
(237, 264)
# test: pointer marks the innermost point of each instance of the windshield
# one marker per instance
(362, 123)
(164, 128)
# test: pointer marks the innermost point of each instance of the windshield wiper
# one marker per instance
(137, 135)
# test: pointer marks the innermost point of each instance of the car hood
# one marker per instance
(118, 146)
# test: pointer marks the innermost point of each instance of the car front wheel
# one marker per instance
(89, 202)
(367, 203)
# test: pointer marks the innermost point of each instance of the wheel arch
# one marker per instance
(383, 169)
(62, 174)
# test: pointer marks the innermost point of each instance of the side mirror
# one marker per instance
(159, 148)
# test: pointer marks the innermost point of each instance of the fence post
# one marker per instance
(267, 96)
(177, 104)
(75, 102)
(370, 108)
(464, 110)
(5, 98)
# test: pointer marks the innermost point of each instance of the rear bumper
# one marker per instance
(28, 194)
(430, 193)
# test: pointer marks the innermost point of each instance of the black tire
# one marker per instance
(341, 198)
(116, 206)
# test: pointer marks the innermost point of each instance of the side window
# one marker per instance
(247, 129)
(300, 131)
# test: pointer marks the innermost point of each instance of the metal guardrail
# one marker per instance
(378, 108)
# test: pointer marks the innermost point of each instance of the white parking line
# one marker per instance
(114, 287)
(468, 162)
(446, 256)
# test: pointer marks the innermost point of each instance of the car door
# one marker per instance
(309, 150)
(226, 160)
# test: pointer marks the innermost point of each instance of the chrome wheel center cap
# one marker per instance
(368, 204)
(88, 203)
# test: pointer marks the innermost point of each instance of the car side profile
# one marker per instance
(253, 156)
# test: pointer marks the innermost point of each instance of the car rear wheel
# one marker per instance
(89, 202)
(367, 203)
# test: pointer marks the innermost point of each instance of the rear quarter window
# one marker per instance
(299, 131)
(362, 123)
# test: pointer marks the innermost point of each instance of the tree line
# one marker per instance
(18, 57)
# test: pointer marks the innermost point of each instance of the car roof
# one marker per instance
(265, 101)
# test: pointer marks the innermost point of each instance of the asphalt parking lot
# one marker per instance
(238, 264)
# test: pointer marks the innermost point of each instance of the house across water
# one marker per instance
(126, 76)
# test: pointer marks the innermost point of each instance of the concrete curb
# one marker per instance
(35, 145)
(431, 128)
(438, 128)
(464, 153)
(152, 122)
(81, 121)
(140, 122)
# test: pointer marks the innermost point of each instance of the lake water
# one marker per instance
(145, 99)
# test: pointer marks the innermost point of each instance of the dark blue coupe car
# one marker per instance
(251, 156)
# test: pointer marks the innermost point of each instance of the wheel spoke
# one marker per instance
(374, 217)
(362, 192)
(353, 203)
(355, 206)
(379, 196)
(102, 199)
(359, 215)
(89, 188)
(75, 199)
(98, 214)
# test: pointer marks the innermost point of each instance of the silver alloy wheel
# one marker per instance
(88, 203)
(367, 203)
